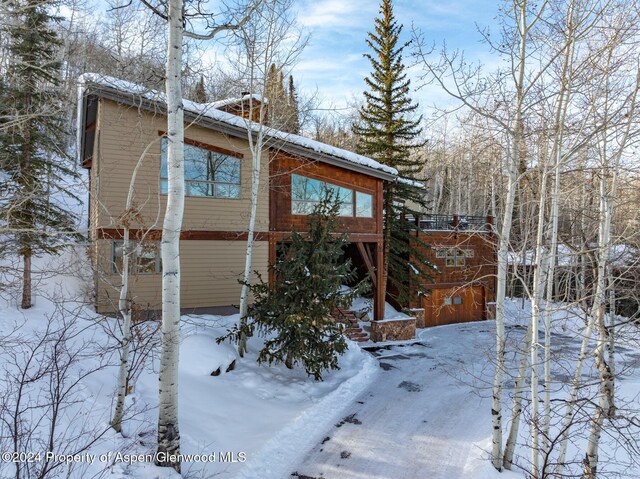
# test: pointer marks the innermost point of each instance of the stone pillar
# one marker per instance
(417, 313)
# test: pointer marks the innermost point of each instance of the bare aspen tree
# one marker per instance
(610, 167)
(614, 97)
(124, 306)
(168, 430)
(261, 43)
(480, 94)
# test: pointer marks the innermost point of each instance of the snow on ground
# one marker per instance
(418, 419)
(413, 410)
(263, 416)
(428, 415)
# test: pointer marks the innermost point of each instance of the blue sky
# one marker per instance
(333, 64)
(333, 61)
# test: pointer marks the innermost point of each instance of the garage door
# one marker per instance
(454, 305)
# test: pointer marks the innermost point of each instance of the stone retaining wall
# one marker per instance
(393, 330)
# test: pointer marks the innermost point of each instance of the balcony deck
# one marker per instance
(442, 222)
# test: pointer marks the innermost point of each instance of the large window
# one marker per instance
(206, 173)
(306, 193)
(144, 257)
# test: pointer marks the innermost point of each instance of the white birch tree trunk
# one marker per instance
(262, 40)
(125, 344)
(256, 154)
(503, 260)
(505, 236)
(536, 300)
(518, 396)
(168, 431)
(575, 387)
(612, 321)
(123, 305)
(606, 406)
(562, 105)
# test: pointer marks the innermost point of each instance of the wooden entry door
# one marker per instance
(454, 305)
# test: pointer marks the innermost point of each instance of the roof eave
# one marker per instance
(231, 130)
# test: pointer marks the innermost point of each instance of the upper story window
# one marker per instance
(206, 172)
(306, 193)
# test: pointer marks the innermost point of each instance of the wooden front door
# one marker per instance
(454, 305)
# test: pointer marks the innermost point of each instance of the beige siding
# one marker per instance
(210, 272)
(123, 133)
(210, 269)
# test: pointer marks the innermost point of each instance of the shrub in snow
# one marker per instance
(294, 313)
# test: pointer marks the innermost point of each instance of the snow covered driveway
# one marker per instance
(426, 416)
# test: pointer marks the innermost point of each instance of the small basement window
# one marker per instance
(144, 258)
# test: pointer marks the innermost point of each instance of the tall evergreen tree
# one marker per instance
(283, 102)
(294, 116)
(199, 93)
(274, 91)
(388, 133)
(32, 143)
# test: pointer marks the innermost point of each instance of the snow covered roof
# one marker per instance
(416, 184)
(232, 101)
(209, 116)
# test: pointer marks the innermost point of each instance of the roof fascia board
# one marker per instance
(154, 106)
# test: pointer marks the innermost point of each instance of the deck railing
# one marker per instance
(433, 222)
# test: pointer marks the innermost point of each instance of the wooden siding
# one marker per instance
(474, 283)
(209, 275)
(210, 266)
(123, 134)
(362, 230)
(283, 165)
(213, 244)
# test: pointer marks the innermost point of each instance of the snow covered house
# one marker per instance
(121, 128)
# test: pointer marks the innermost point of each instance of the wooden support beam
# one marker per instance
(368, 261)
(378, 298)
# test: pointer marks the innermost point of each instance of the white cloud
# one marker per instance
(335, 13)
